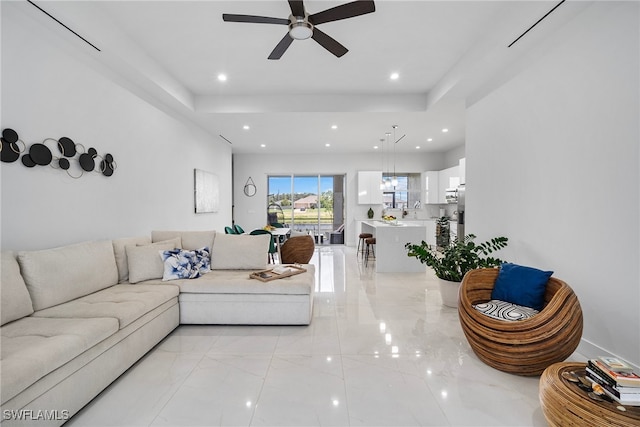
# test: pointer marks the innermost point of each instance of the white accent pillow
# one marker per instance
(145, 262)
(240, 251)
(121, 254)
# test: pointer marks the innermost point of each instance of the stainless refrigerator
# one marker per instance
(461, 212)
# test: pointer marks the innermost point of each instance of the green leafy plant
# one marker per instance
(458, 257)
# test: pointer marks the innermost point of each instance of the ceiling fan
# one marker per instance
(302, 25)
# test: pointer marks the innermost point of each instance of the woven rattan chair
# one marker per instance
(297, 250)
(525, 347)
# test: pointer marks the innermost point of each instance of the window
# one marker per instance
(404, 195)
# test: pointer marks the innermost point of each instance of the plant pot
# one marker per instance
(449, 292)
(370, 213)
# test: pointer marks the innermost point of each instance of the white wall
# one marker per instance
(552, 163)
(48, 93)
(251, 212)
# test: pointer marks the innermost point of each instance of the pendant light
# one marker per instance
(382, 156)
(394, 179)
(387, 181)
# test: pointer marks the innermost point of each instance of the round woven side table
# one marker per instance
(565, 404)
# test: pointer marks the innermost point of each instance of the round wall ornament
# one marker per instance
(250, 188)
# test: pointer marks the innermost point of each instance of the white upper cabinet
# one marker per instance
(447, 178)
(430, 180)
(369, 192)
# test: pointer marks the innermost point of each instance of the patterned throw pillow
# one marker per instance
(203, 260)
(502, 310)
(179, 264)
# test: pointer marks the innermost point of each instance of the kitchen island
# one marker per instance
(391, 255)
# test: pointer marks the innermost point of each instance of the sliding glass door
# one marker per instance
(312, 204)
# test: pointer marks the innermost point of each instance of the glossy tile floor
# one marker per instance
(381, 351)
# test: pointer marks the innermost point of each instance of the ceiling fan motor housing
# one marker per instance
(299, 27)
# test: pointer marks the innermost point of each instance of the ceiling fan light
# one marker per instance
(300, 30)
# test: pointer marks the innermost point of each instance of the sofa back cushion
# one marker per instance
(240, 251)
(58, 275)
(191, 240)
(16, 302)
(121, 254)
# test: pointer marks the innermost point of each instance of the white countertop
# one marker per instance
(376, 223)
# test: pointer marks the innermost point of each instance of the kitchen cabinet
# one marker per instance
(447, 178)
(430, 180)
(369, 192)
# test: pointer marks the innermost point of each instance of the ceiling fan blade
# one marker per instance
(281, 47)
(329, 43)
(297, 7)
(344, 11)
(229, 17)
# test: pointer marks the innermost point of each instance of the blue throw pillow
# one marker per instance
(179, 264)
(521, 285)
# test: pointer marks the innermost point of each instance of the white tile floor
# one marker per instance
(381, 351)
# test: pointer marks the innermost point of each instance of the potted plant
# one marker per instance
(455, 260)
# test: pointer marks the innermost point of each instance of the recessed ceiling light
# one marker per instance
(417, 147)
(394, 76)
(429, 139)
(246, 127)
(263, 145)
(327, 145)
(445, 130)
(334, 127)
(375, 147)
(222, 77)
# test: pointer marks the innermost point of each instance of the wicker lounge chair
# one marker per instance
(298, 249)
(525, 347)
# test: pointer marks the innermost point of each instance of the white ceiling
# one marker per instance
(446, 53)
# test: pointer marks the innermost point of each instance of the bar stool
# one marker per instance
(361, 242)
(370, 249)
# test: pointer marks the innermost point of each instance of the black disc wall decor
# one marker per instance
(10, 135)
(39, 154)
(67, 147)
(28, 161)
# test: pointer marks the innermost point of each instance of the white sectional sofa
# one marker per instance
(74, 318)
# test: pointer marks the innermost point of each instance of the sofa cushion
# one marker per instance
(123, 302)
(121, 254)
(58, 275)
(191, 240)
(33, 347)
(240, 251)
(16, 302)
(145, 261)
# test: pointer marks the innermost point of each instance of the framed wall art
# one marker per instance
(207, 191)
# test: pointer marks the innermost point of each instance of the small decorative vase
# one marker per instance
(449, 292)
(370, 213)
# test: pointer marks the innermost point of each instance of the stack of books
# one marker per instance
(616, 378)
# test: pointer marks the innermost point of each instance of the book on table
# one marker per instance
(614, 364)
(620, 392)
(615, 379)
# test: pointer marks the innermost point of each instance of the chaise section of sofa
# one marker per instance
(227, 295)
